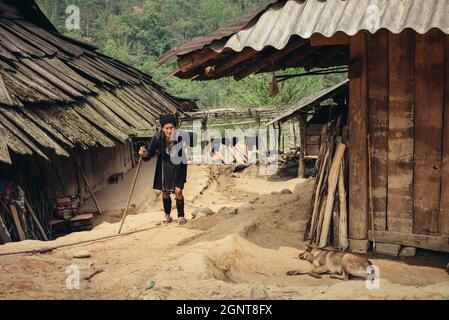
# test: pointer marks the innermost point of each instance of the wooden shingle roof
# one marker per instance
(57, 93)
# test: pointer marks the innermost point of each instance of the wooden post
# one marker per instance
(279, 136)
(204, 144)
(443, 227)
(283, 143)
(378, 122)
(292, 134)
(302, 141)
(400, 140)
(358, 129)
(257, 136)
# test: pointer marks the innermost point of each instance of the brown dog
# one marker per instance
(340, 265)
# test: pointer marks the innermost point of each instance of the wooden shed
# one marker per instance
(313, 113)
(397, 52)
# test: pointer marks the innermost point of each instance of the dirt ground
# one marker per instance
(221, 256)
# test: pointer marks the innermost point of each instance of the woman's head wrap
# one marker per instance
(168, 118)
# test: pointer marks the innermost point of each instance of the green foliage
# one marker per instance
(138, 31)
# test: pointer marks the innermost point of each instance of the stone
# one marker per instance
(408, 252)
(195, 213)
(358, 246)
(275, 193)
(254, 200)
(258, 292)
(82, 255)
(388, 249)
(286, 191)
(230, 211)
(207, 211)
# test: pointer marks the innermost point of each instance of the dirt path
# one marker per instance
(221, 256)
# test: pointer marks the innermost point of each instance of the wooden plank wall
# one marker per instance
(408, 111)
(429, 86)
(400, 122)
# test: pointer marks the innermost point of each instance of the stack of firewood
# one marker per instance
(327, 224)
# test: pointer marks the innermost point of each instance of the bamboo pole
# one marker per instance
(130, 194)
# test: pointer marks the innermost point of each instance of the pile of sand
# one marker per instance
(269, 220)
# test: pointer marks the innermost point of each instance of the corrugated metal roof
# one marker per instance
(276, 24)
(221, 33)
(56, 92)
(312, 100)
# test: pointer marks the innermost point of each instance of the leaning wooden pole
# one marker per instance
(91, 191)
(88, 185)
(370, 181)
(136, 175)
(343, 218)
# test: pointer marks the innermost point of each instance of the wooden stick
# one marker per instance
(343, 224)
(332, 185)
(335, 225)
(130, 194)
(15, 216)
(318, 227)
(36, 220)
(373, 228)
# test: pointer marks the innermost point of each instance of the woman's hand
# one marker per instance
(143, 152)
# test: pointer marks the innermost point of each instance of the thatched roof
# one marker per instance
(57, 93)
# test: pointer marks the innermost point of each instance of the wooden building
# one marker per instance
(67, 111)
(397, 52)
(312, 113)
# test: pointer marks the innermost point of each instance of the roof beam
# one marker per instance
(270, 60)
(195, 59)
(339, 38)
(239, 57)
(300, 55)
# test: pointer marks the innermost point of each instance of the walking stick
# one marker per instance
(130, 194)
